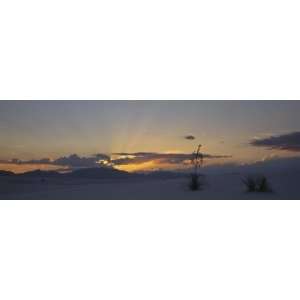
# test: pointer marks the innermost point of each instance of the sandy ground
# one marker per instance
(229, 186)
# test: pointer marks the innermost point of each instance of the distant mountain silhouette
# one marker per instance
(164, 174)
(99, 173)
(6, 173)
(40, 173)
(95, 173)
(91, 173)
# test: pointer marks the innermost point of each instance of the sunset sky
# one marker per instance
(138, 135)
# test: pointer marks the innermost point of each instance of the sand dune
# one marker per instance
(225, 186)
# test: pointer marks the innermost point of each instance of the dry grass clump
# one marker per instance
(258, 184)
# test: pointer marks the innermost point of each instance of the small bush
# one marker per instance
(250, 184)
(263, 185)
(257, 184)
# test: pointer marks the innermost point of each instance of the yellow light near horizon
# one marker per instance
(146, 166)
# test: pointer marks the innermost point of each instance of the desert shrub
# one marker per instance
(196, 182)
(263, 185)
(257, 184)
(250, 184)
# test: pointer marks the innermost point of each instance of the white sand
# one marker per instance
(229, 186)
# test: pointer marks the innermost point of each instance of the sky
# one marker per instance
(138, 135)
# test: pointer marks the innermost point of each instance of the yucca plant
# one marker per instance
(197, 161)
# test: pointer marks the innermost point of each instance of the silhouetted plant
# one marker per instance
(250, 184)
(263, 185)
(257, 184)
(196, 181)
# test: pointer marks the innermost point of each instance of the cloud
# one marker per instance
(71, 161)
(189, 137)
(126, 158)
(33, 161)
(269, 166)
(38, 161)
(76, 161)
(289, 141)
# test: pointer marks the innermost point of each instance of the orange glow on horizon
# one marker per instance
(146, 166)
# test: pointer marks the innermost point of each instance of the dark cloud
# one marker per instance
(189, 137)
(170, 158)
(267, 166)
(289, 141)
(72, 161)
(39, 161)
(33, 161)
(122, 158)
(101, 156)
(76, 161)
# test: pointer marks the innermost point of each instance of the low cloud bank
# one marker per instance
(71, 161)
(126, 158)
(103, 160)
(289, 142)
(266, 166)
(75, 161)
(162, 158)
